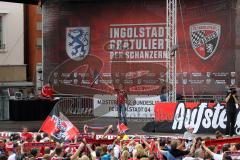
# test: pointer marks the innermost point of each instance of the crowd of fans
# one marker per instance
(123, 147)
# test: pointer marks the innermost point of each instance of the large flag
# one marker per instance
(59, 127)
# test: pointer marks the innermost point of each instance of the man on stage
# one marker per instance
(231, 103)
(121, 100)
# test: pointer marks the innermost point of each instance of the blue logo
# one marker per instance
(77, 42)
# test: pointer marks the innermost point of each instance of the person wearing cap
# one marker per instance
(189, 135)
(9, 146)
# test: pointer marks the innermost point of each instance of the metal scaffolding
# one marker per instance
(171, 47)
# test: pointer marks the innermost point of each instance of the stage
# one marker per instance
(135, 126)
(162, 119)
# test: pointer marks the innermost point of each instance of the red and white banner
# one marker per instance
(215, 142)
(88, 54)
(205, 117)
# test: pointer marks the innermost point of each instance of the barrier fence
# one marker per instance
(4, 107)
(203, 98)
(76, 106)
(83, 106)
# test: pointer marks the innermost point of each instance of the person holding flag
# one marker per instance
(59, 127)
(121, 100)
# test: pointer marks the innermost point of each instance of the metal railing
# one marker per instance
(83, 106)
(76, 106)
(203, 98)
(4, 108)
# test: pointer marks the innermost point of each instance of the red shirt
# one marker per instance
(121, 96)
(26, 136)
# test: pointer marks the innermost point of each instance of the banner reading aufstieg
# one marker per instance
(92, 47)
(204, 117)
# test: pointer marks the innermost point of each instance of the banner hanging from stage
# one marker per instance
(92, 47)
(205, 117)
(137, 106)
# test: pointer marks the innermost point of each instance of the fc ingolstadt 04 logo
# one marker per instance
(204, 39)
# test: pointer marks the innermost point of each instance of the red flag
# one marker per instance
(59, 127)
(47, 91)
(122, 128)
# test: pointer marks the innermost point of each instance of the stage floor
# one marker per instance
(135, 125)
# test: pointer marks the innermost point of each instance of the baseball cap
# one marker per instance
(9, 146)
(189, 127)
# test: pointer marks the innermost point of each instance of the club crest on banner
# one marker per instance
(204, 39)
(77, 42)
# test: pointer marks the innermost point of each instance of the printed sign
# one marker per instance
(205, 117)
(88, 54)
(138, 106)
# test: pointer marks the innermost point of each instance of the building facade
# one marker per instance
(12, 66)
(12, 60)
(33, 44)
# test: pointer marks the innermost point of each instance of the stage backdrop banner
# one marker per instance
(205, 117)
(90, 47)
(138, 106)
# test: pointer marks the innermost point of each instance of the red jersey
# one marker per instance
(26, 136)
(121, 96)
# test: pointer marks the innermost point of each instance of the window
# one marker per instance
(39, 26)
(2, 40)
(39, 10)
(1, 33)
(39, 43)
